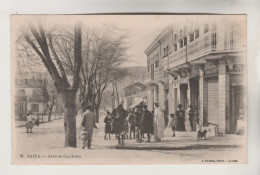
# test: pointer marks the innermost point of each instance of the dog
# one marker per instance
(202, 134)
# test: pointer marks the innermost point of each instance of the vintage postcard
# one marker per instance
(129, 89)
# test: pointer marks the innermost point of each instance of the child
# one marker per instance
(107, 122)
(126, 128)
(172, 123)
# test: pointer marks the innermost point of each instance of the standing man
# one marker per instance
(87, 124)
(119, 114)
(158, 123)
(180, 119)
(131, 120)
(147, 122)
(196, 118)
(138, 123)
(191, 117)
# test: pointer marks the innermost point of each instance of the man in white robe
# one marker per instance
(158, 122)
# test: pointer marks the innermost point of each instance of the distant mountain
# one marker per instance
(135, 75)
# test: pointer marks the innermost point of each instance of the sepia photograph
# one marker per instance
(129, 89)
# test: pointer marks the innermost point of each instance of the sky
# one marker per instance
(141, 30)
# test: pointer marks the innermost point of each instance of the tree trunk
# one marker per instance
(70, 119)
(50, 112)
(97, 114)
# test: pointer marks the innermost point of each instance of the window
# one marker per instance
(152, 71)
(206, 28)
(175, 47)
(213, 40)
(232, 37)
(35, 107)
(148, 67)
(165, 51)
(191, 37)
(175, 39)
(185, 41)
(181, 43)
(156, 64)
(22, 92)
(197, 33)
(225, 40)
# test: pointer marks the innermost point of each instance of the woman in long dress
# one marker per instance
(29, 122)
(158, 123)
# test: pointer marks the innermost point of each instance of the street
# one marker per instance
(46, 143)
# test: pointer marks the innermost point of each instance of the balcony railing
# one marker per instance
(230, 42)
(214, 41)
(156, 74)
(147, 77)
(201, 46)
(176, 58)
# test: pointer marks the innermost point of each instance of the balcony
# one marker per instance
(212, 42)
(202, 46)
(176, 58)
(149, 77)
(230, 41)
(156, 74)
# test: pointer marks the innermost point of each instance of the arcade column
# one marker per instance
(202, 95)
(224, 87)
(150, 98)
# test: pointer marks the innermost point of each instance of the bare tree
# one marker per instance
(41, 47)
(105, 54)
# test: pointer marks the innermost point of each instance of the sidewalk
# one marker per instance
(186, 141)
(19, 123)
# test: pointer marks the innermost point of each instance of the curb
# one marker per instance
(192, 147)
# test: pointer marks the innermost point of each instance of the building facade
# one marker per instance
(28, 98)
(200, 63)
(133, 94)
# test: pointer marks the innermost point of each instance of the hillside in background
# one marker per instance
(135, 75)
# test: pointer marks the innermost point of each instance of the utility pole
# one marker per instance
(113, 98)
(117, 94)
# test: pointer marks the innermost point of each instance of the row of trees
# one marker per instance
(76, 58)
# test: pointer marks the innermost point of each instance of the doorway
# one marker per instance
(183, 96)
(236, 99)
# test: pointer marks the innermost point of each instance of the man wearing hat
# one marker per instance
(119, 114)
(180, 119)
(147, 122)
(138, 123)
(131, 120)
(87, 124)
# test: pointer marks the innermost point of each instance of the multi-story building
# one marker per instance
(201, 63)
(28, 98)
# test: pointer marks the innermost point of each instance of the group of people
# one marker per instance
(178, 119)
(139, 119)
(193, 117)
(142, 121)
